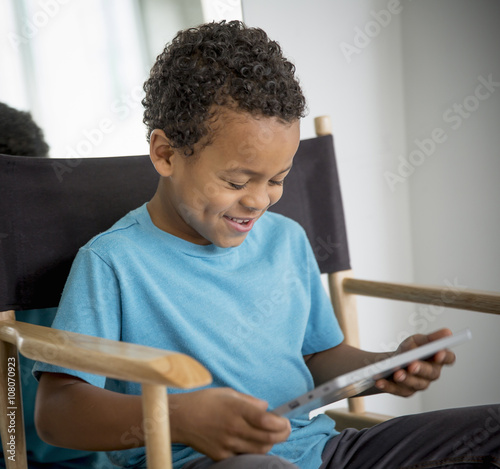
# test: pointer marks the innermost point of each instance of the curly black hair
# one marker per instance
(218, 64)
(19, 134)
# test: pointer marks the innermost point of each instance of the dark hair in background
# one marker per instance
(218, 64)
(19, 134)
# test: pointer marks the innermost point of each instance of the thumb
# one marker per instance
(256, 402)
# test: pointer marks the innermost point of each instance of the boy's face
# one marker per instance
(217, 195)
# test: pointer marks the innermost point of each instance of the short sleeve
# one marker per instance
(90, 304)
(323, 330)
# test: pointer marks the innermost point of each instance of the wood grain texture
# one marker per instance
(11, 404)
(346, 419)
(323, 125)
(344, 305)
(156, 427)
(448, 296)
(119, 360)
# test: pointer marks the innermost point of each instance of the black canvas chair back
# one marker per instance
(49, 208)
(312, 197)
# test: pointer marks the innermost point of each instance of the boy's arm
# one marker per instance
(218, 422)
(417, 376)
(72, 413)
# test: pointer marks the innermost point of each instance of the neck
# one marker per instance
(165, 215)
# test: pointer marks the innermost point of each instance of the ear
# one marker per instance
(161, 152)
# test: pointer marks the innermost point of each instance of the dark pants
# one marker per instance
(463, 438)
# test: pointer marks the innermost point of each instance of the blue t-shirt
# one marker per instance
(247, 313)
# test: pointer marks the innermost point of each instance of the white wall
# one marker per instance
(364, 97)
(164, 18)
(386, 80)
(450, 46)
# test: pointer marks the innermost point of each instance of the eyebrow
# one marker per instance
(250, 172)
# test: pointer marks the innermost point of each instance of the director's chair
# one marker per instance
(313, 198)
(49, 208)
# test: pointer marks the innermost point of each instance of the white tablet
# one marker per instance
(357, 381)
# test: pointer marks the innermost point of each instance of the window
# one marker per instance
(79, 65)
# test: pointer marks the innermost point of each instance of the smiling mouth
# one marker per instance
(241, 221)
(241, 225)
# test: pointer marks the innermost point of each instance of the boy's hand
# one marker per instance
(419, 374)
(220, 423)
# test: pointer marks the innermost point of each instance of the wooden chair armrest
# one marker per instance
(119, 360)
(460, 298)
(346, 419)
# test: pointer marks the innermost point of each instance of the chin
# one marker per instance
(229, 243)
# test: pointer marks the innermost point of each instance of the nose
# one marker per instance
(257, 200)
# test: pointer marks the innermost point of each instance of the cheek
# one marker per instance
(202, 196)
(218, 200)
(276, 194)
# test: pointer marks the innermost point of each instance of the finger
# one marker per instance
(417, 376)
(430, 370)
(413, 382)
(445, 357)
(259, 437)
(439, 334)
(391, 387)
(422, 339)
(255, 413)
(240, 436)
(403, 383)
(254, 401)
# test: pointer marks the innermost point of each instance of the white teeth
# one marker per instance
(239, 221)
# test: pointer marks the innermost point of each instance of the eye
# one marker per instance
(277, 183)
(238, 187)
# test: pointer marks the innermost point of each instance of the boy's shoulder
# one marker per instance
(122, 230)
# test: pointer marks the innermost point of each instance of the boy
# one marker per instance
(187, 270)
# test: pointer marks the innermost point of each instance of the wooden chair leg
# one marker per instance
(344, 305)
(156, 426)
(11, 405)
(344, 418)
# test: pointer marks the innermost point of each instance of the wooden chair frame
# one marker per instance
(343, 288)
(155, 369)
